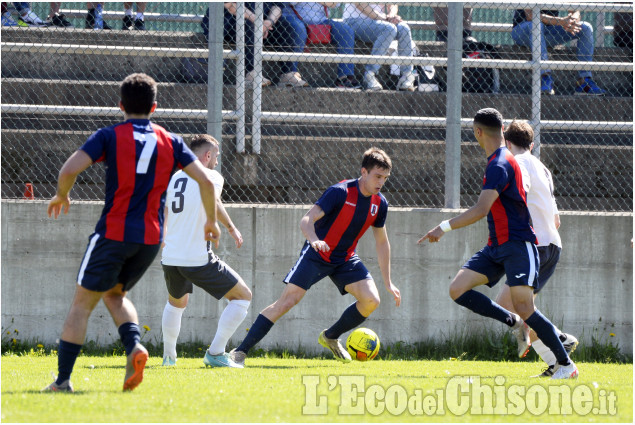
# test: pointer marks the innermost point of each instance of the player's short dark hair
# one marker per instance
(489, 117)
(138, 92)
(375, 157)
(520, 134)
(202, 141)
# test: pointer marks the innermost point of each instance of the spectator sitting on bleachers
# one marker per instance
(94, 18)
(7, 19)
(380, 24)
(55, 18)
(555, 31)
(27, 18)
(136, 23)
(301, 14)
(441, 21)
(275, 32)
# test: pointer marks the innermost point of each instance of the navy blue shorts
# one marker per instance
(549, 257)
(311, 268)
(107, 263)
(518, 260)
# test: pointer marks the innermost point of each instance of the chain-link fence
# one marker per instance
(305, 90)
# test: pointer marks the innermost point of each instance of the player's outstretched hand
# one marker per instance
(58, 204)
(238, 238)
(395, 293)
(432, 236)
(320, 246)
(212, 232)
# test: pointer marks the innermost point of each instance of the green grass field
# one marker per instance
(315, 390)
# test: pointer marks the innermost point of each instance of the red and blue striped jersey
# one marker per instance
(509, 218)
(347, 216)
(140, 157)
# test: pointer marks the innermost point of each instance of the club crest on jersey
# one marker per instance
(373, 209)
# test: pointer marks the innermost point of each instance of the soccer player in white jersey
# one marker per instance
(189, 260)
(541, 202)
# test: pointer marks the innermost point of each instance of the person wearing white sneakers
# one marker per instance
(538, 184)
(188, 260)
(510, 251)
(380, 24)
(27, 16)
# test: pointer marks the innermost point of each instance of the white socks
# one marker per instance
(232, 316)
(171, 326)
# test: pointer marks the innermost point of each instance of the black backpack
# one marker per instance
(479, 80)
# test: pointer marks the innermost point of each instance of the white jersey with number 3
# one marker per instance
(541, 202)
(185, 243)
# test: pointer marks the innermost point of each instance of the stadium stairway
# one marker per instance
(88, 79)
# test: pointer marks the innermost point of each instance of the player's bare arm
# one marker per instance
(382, 245)
(75, 164)
(474, 214)
(226, 221)
(208, 196)
(307, 225)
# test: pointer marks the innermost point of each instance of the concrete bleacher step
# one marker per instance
(172, 69)
(310, 100)
(291, 159)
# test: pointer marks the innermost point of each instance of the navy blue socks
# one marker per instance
(548, 335)
(483, 305)
(351, 318)
(258, 330)
(130, 335)
(66, 355)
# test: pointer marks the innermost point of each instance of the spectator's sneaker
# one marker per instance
(336, 348)
(58, 20)
(90, 22)
(546, 84)
(569, 342)
(32, 20)
(292, 79)
(220, 360)
(127, 22)
(521, 332)
(589, 88)
(347, 82)
(371, 83)
(547, 372)
(250, 77)
(565, 372)
(169, 361)
(135, 364)
(65, 386)
(238, 357)
(8, 21)
(406, 82)
(139, 25)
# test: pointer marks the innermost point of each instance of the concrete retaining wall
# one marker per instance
(590, 294)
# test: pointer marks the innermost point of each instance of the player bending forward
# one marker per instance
(188, 259)
(511, 248)
(538, 184)
(332, 228)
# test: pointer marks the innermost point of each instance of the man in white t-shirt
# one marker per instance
(189, 260)
(538, 185)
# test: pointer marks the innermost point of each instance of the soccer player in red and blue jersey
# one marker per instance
(510, 251)
(140, 158)
(332, 228)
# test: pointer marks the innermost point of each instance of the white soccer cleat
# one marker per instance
(570, 343)
(521, 332)
(569, 371)
(169, 361)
